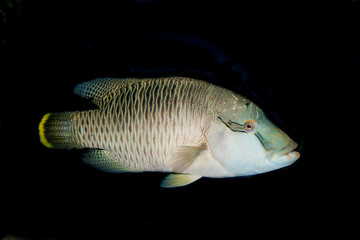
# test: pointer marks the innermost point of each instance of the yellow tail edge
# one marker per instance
(43, 139)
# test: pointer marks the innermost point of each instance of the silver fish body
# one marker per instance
(189, 127)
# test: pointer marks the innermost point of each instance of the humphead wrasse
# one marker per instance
(188, 127)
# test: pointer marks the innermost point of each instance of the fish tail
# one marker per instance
(55, 130)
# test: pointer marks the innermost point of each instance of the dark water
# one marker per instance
(296, 60)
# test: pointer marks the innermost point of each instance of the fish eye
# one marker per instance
(249, 126)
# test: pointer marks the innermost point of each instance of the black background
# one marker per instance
(298, 60)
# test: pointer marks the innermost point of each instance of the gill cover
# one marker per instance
(241, 115)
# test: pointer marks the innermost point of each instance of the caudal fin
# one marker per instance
(55, 130)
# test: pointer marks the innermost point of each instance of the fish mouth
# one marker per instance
(289, 148)
(286, 155)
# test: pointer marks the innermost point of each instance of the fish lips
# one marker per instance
(285, 156)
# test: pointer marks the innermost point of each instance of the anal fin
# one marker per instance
(178, 180)
(102, 159)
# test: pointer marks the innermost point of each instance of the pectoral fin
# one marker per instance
(185, 156)
(178, 180)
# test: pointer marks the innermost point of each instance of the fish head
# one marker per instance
(251, 143)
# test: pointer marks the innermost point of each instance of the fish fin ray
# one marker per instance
(99, 89)
(102, 159)
(178, 180)
(185, 156)
(55, 130)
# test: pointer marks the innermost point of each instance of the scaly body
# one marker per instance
(142, 128)
(175, 124)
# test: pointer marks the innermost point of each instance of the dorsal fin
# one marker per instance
(99, 90)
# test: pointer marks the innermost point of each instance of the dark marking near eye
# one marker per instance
(233, 126)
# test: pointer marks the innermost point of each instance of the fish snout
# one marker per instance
(286, 155)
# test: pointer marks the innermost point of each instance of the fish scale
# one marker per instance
(151, 124)
(181, 125)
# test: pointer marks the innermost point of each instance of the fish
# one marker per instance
(186, 127)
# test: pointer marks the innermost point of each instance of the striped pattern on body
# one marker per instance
(141, 121)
